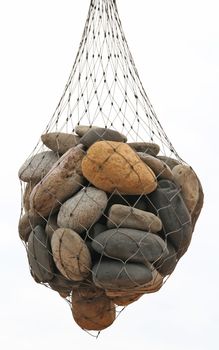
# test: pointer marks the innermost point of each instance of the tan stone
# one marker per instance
(112, 165)
(36, 167)
(63, 180)
(51, 226)
(70, 254)
(92, 309)
(160, 169)
(60, 142)
(27, 223)
(26, 196)
(187, 180)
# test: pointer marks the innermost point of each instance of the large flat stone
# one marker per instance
(130, 245)
(146, 147)
(101, 134)
(82, 210)
(129, 217)
(60, 142)
(114, 166)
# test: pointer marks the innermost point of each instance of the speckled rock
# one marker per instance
(82, 210)
(63, 180)
(171, 162)
(81, 130)
(92, 309)
(171, 209)
(114, 165)
(125, 216)
(146, 147)
(51, 225)
(160, 169)
(130, 245)
(112, 274)
(27, 223)
(70, 254)
(187, 180)
(39, 255)
(60, 142)
(36, 167)
(101, 134)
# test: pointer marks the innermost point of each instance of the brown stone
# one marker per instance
(146, 147)
(60, 142)
(125, 216)
(70, 254)
(101, 134)
(187, 180)
(51, 225)
(36, 167)
(126, 299)
(26, 196)
(155, 284)
(63, 180)
(114, 166)
(92, 309)
(171, 162)
(160, 169)
(81, 130)
(27, 223)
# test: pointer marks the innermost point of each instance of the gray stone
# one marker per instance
(147, 147)
(60, 142)
(62, 285)
(101, 134)
(166, 265)
(40, 256)
(96, 230)
(161, 169)
(81, 130)
(130, 245)
(137, 202)
(125, 216)
(62, 181)
(112, 274)
(27, 223)
(167, 203)
(36, 167)
(171, 162)
(82, 210)
(51, 225)
(197, 210)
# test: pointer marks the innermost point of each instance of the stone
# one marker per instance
(62, 181)
(155, 284)
(160, 169)
(81, 130)
(82, 210)
(27, 223)
(101, 134)
(114, 274)
(167, 203)
(147, 147)
(112, 166)
(60, 142)
(130, 245)
(171, 162)
(92, 309)
(126, 299)
(26, 196)
(125, 216)
(96, 229)
(187, 181)
(62, 285)
(40, 256)
(51, 225)
(71, 255)
(197, 210)
(167, 264)
(36, 167)
(137, 202)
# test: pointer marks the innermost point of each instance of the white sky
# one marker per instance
(175, 45)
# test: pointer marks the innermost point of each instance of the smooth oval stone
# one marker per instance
(40, 256)
(112, 274)
(197, 210)
(36, 167)
(146, 147)
(137, 202)
(96, 230)
(155, 284)
(92, 309)
(62, 181)
(171, 162)
(70, 254)
(124, 216)
(160, 169)
(82, 210)
(167, 203)
(60, 142)
(27, 223)
(187, 180)
(51, 225)
(130, 245)
(26, 196)
(81, 130)
(62, 285)
(112, 166)
(101, 134)
(167, 264)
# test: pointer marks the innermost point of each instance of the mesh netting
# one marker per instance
(108, 206)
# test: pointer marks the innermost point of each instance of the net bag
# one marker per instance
(108, 206)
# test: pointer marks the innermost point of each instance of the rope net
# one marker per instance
(108, 206)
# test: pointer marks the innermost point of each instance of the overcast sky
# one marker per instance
(175, 45)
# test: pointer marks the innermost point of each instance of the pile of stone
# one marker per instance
(105, 220)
